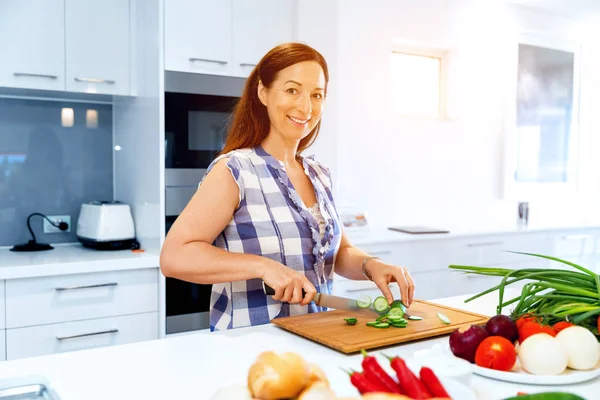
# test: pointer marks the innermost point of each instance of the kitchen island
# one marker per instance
(195, 366)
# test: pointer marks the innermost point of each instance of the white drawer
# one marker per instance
(66, 298)
(436, 255)
(575, 243)
(70, 336)
(497, 249)
(2, 344)
(2, 306)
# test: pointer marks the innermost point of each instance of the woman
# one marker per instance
(265, 213)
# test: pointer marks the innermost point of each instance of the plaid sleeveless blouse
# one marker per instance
(272, 221)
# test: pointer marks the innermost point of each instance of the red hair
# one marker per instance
(250, 123)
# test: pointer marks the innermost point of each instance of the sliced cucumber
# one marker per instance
(363, 301)
(382, 325)
(351, 321)
(396, 312)
(380, 304)
(372, 323)
(400, 325)
(415, 318)
(443, 318)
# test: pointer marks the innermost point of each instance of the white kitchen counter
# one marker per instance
(71, 258)
(195, 366)
(379, 234)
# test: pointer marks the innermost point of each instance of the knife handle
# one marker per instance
(269, 291)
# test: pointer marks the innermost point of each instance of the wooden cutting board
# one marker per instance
(330, 329)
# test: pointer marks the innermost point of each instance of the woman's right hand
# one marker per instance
(288, 284)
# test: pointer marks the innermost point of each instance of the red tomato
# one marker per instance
(496, 352)
(528, 329)
(523, 319)
(559, 326)
(549, 330)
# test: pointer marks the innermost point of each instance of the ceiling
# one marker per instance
(580, 9)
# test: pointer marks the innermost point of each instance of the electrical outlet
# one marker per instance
(57, 219)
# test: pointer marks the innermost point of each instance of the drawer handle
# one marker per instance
(61, 289)
(247, 65)
(192, 59)
(484, 244)
(576, 237)
(95, 80)
(87, 334)
(20, 74)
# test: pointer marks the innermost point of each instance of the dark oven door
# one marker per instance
(187, 304)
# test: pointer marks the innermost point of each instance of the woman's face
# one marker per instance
(295, 100)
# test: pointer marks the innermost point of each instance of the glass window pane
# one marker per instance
(416, 85)
(544, 114)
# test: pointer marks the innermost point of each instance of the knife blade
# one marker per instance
(331, 301)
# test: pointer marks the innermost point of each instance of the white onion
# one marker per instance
(583, 351)
(542, 354)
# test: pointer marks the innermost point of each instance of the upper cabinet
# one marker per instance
(226, 37)
(97, 46)
(198, 36)
(259, 26)
(32, 44)
(73, 45)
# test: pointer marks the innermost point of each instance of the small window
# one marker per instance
(417, 84)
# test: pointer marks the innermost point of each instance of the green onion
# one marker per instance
(549, 294)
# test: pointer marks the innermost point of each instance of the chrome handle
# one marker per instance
(484, 244)
(19, 74)
(87, 334)
(192, 59)
(247, 65)
(95, 80)
(576, 237)
(60, 289)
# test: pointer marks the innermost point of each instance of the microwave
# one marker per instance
(195, 131)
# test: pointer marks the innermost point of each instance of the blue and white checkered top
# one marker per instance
(271, 220)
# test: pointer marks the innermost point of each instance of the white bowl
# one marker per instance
(445, 364)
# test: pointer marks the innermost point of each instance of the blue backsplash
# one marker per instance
(49, 166)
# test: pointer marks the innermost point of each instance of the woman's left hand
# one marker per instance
(383, 274)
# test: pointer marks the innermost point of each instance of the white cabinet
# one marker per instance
(32, 44)
(2, 345)
(573, 244)
(226, 37)
(79, 335)
(97, 46)
(259, 26)
(198, 36)
(54, 299)
(53, 314)
(2, 306)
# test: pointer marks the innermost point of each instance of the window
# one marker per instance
(417, 83)
(543, 136)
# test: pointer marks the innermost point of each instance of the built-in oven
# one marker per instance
(197, 113)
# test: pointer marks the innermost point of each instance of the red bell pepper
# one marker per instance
(375, 373)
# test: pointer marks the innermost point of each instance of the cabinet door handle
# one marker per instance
(192, 59)
(87, 334)
(23, 74)
(61, 289)
(95, 80)
(247, 65)
(485, 244)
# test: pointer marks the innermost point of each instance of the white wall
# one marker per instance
(447, 174)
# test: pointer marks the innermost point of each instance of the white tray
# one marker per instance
(518, 375)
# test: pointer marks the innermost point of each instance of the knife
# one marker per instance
(335, 302)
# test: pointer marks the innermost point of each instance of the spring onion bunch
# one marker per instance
(550, 295)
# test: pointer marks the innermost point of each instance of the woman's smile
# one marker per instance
(299, 122)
